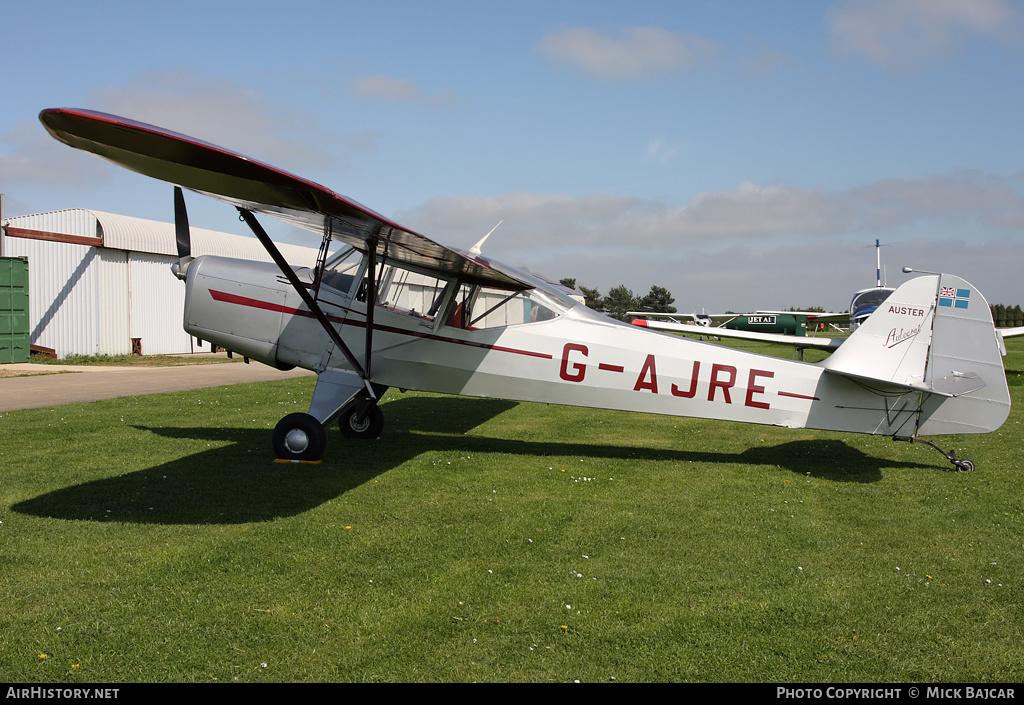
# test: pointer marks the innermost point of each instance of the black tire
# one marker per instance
(370, 426)
(299, 437)
(965, 465)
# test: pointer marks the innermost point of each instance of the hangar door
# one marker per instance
(15, 345)
(157, 305)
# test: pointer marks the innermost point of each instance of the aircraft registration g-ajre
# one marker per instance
(392, 308)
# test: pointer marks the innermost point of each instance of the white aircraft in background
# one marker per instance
(862, 305)
(866, 301)
(765, 325)
(391, 308)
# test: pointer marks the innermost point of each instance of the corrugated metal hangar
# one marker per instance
(101, 284)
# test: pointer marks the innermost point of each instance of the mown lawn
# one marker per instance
(152, 539)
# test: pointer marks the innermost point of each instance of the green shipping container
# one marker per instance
(15, 345)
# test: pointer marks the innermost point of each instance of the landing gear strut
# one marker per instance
(302, 437)
(961, 465)
(338, 394)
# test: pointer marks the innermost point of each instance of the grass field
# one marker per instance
(152, 539)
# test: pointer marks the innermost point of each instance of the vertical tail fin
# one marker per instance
(892, 344)
(934, 334)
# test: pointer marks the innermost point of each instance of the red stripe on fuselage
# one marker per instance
(797, 396)
(268, 306)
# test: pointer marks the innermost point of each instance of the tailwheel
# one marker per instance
(961, 464)
(364, 421)
(964, 465)
(299, 437)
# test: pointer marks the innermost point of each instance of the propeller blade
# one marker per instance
(181, 234)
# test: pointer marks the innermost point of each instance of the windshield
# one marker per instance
(479, 307)
(869, 299)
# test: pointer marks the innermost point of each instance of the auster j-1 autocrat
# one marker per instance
(391, 308)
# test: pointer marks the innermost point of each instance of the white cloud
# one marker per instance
(468, 214)
(213, 109)
(764, 61)
(402, 90)
(747, 212)
(896, 202)
(639, 52)
(748, 241)
(221, 112)
(36, 158)
(661, 151)
(750, 211)
(905, 34)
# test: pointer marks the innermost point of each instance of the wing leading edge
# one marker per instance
(249, 184)
(798, 342)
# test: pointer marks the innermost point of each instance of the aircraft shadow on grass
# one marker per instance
(235, 484)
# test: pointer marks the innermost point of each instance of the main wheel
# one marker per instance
(368, 427)
(965, 465)
(299, 437)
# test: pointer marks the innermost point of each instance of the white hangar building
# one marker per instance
(101, 284)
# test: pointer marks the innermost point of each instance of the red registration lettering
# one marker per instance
(725, 385)
(692, 391)
(642, 382)
(753, 388)
(578, 368)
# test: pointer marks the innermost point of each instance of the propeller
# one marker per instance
(181, 235)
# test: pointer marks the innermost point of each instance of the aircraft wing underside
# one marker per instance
(793, 340)
(259, 188)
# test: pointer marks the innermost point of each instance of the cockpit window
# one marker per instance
(479, 307)
(869, 299)
(341, 269)
(425, 296)
(413, 293)
(406, 291)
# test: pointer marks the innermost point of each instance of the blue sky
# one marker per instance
(741, 154)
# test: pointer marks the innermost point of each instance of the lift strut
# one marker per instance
(311, 304)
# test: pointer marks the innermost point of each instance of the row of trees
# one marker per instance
(1007, 316)
(621, 299)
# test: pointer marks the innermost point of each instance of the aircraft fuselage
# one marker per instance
(576, 357)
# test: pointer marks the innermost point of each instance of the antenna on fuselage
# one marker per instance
(878, 258)
(475, 249)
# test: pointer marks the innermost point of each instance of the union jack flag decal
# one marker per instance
(954, 298)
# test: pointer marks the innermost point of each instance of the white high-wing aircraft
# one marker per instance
(395, 309)
(798, 342)
(862, 305)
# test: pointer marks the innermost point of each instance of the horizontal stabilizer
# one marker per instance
(957, 384)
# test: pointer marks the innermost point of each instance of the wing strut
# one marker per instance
(311, 304)
(321, 258)
(371, 297)
(372, 287)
